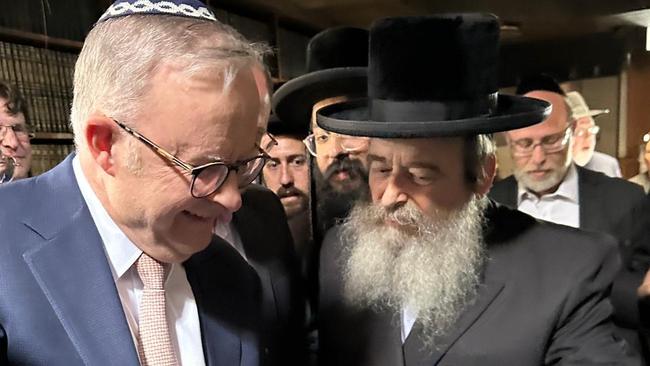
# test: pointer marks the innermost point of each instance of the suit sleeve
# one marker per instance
(585, 333)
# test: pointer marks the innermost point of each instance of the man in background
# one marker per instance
(287, 175)
(547, 184)
(336, 64)
(14, 133)
(584, 138)
(643, 178)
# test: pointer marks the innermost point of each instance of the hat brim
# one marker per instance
(294, 100)
(593, 113)
(513, 112)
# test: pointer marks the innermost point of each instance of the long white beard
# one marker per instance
(433, 270)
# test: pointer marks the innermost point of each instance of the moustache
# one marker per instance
(289, 192)
(352, 166)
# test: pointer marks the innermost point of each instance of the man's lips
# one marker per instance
(540, 173)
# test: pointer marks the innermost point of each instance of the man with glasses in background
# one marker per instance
(110, 257)
(336, 64)
(548, 185)
(584, 138)
(15, 148)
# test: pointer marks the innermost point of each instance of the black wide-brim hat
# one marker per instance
(433, 76)
(337, 60)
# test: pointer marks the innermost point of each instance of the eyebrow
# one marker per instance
(420, 164)
(375, 158)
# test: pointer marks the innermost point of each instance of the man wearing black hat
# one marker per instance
(336, 65)
(430, 271)
(119, 265)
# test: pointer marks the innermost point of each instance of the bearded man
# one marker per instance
(429, 271)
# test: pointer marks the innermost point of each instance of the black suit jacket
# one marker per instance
(262, 226)
(542, 301)
(604, 201)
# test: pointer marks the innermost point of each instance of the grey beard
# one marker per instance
(434, 270)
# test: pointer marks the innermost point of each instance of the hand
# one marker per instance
(644, 289)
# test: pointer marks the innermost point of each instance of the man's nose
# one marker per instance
(228, 195)
(286, 176)
(394, 193)
(10, 140)
(538, 155)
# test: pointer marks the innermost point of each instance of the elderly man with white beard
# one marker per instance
(429, 271)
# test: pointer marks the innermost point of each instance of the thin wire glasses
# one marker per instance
(323, 140)
(550, 143)
(590, 131)
(208, 178)
(20, 130)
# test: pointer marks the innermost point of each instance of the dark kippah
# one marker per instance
(539, 82)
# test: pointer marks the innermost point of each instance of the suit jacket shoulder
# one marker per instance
(505, 192)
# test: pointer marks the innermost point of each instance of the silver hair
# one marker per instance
(120, 56)
(477, 149)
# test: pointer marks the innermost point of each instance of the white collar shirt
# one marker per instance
(182, 313)
(560, 207)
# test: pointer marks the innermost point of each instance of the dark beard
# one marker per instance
(331, 205)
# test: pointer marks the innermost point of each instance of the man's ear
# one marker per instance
(99, 134)
(484, 182)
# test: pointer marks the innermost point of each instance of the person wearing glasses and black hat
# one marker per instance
(336, 64)
(110, 258)
(429, 271)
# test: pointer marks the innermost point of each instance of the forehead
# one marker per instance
(585, 122)
(287, 146)
(6, 118)
(556, 122)
(439, 150)
(204, 114)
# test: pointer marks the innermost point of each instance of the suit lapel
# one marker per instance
(71, 268)
(417, 354)
(226, 292)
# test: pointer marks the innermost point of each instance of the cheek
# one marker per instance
(321, 161)
(377, 187)
(271, 180)
(301, 178)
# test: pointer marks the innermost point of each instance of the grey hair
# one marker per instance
(477, 149)
(120, 56)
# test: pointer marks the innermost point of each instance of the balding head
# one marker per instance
(542, 169)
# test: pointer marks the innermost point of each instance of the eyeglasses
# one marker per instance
(208, 178)
(550, 143)
(20, 130)
(349, 144)
(582, 132)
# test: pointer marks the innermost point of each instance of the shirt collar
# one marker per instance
(568, 189)
(120, 250)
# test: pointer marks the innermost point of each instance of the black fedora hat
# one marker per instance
(433, 76)
(337, 59)
(276, 127)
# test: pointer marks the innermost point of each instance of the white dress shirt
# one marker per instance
(182, 313)
(605, 164)
(561, 206)
(228, 232)
(409, 316)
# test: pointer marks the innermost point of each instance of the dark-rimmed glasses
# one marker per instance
(208, 178)
(549, 143)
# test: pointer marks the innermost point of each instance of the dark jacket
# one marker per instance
(543, 300)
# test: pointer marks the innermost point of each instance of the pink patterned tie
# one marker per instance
(155, 344)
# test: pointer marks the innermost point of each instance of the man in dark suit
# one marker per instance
(547, 184)
(110, 258)
(430, 271)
